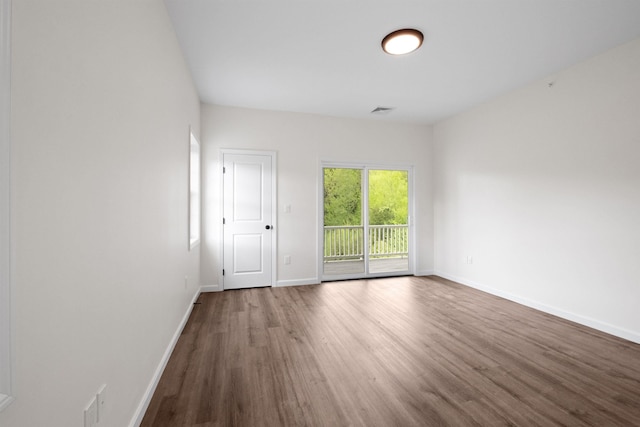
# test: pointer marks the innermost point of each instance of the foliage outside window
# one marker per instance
(388, 195)
(386, 233)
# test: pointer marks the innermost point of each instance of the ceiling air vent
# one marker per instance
(382, 110)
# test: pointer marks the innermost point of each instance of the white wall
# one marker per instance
(302, 141)
(5, 210)
(542, 188)
(101, 108)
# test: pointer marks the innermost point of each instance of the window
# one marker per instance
(194, 192)
(5, 211)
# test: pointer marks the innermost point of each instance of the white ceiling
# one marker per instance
(324, 56)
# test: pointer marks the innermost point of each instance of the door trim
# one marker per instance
(365, 166)
(274, 208)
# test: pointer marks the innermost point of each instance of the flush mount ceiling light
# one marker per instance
(402, 41)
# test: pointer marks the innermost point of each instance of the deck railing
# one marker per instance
(347, 242)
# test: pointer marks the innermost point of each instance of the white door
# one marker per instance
(248, 220)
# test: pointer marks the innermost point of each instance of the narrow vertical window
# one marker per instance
(194, 192)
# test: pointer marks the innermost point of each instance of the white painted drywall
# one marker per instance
(101, 108)
(542, 188)
(302, 141)
(5, 210)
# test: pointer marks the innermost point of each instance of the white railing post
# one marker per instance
(346, 242)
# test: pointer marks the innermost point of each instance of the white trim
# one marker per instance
(193, 244)
(151, 388)
(320, 220)
(274, 206)
(6, 258)
(298, 282)
(210, 288)
(549, 309)
(425, 273)
(413, 230)
(219, 173)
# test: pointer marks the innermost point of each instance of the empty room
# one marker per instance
(287, 213)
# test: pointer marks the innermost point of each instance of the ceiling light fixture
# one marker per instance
(402, 41)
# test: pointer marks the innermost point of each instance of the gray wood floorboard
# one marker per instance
(407, 351)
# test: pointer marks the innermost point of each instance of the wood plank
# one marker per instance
(404, 351)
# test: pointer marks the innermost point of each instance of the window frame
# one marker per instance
(366, 167)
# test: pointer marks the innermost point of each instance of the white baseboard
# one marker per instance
(210, 288)
(298, 282)
(279, 283)
(425, 273)
(148, 394)
(626, 334)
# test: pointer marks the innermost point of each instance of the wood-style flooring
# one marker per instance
(410, 351)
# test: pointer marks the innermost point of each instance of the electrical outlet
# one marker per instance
(101, 398)
(469, 259)
(91, 414)
(287, 259)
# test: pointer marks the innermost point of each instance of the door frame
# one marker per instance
(366, 166)
(274, 208)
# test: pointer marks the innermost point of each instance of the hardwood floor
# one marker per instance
(409, 351)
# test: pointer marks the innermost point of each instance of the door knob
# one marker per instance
(268, 227)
